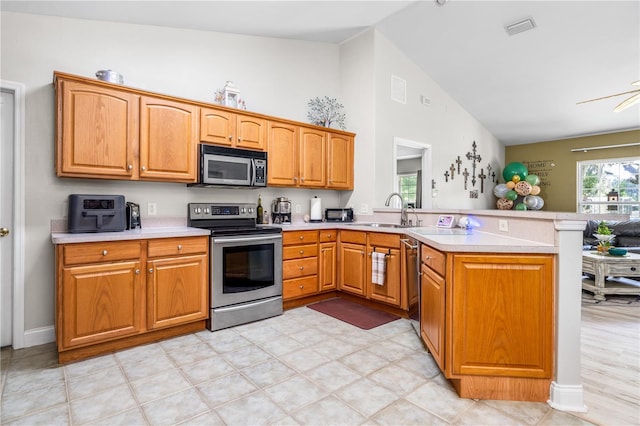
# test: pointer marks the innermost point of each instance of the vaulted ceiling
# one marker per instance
(523, 88)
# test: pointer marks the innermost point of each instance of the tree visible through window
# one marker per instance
(408, 186)
(609, 186)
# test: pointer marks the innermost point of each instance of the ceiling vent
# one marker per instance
(520, 26)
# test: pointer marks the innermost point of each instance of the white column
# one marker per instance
(566, 392)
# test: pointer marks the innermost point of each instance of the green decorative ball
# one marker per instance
(513, 169)
(533, 179)
(521, 206)
(511, 195)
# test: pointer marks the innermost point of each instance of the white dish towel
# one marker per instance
(378, 267)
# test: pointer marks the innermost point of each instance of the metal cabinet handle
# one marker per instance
(179, 246)
(104, 252)
(130, 167)
(143, 168)
(301, 268)
(301, 237)
(301, 251)
(302, 179)
(301, 287)
(137, 271)
(151, 270)
(230, 138)
(239, 139)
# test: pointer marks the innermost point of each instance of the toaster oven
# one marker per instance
(338, 215)
(96, 213)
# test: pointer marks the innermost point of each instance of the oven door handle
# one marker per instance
(246, 239)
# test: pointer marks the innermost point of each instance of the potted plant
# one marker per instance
(604, 236)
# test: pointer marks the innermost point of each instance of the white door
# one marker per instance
(7, 111)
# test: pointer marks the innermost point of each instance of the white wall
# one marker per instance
(276, 77)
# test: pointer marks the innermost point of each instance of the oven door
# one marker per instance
(245, 268)
(226, 170)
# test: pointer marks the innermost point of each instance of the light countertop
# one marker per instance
(133, 234)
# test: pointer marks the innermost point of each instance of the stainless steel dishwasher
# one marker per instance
(410, 248)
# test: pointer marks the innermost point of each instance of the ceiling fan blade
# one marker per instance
(627, 103)
(610, 96)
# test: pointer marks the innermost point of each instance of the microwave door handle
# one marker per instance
(253, 172)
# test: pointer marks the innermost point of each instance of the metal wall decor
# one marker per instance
(475, 158)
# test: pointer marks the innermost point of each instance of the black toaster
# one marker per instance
(96, 213)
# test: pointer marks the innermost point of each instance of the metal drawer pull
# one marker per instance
(301, 251)
(137, 271)
(633, 268)
(151, 270)
(301, 287)
(301, 268)
(104, 252)
(179, 246)
(301, 237)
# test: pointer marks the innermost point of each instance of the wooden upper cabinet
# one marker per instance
(282, 152)
(312, 157)
(221, 127)
(339, 161)
(168, 144)
(97, 131)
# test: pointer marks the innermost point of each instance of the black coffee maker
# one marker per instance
(133, 216)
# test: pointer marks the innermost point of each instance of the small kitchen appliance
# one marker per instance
(338, 215)
(133, 216)
(281, 210)
(96, 213)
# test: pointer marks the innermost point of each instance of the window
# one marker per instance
(609, 186)
(408, 188)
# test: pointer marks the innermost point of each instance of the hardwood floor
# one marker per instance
(610, 358)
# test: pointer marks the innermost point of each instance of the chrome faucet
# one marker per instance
(403, 211)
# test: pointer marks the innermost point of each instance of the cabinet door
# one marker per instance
(251, 133)
(327, 263)
(389, 292)
(100, 302)
(217, 127)
(352, 268)
(432, 313)
(312, 158)
(168, 140)
(502, 315)
(282, 151)
(340, 162)
(97, 134)
(177, 290)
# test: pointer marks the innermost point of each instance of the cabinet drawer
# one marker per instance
(299, 237)
(379, 239)
(107, 251)
(177, 246)
(296, 252)
(298, 287)
(625, 270)
(297, 268)
(433, 259)
(355, 237)
(328, 235)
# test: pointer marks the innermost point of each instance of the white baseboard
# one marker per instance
(567, 398)
(39, 336)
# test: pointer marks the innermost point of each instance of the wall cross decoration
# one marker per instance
(446, 176)
(466, 175)
(489, 170)
(482, 177)
(458, 162)
(475, 158)
(452, 169)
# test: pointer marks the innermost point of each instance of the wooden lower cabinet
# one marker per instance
(299, 264)
(488, 321)
(352, 268)
(389, 245)
(105, 301)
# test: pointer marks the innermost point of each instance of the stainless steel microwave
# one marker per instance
(221, 166)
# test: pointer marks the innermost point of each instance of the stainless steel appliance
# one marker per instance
(96, 213)
(220, 166)
(411, 248)
(133, 216)
(338, 215)
(246, 263)
(281, 210)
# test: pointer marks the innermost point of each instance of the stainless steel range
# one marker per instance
(246, 263)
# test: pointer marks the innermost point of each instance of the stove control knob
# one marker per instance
(206, 210)
(243, 210)
(197, 210)
(250, 209)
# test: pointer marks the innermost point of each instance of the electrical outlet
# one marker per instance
(364, 208)
(298, 208)
(152, 209)
(503, 225)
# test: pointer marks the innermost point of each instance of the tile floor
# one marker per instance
(299, 368)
